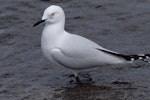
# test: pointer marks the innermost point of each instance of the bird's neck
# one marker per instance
(57, 28)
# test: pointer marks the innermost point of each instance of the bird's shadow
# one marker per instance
(87, 90)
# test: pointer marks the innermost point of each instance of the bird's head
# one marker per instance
(53, 14)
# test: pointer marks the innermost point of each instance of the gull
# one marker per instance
(72, 51)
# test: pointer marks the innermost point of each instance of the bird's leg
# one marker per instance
(77, 79)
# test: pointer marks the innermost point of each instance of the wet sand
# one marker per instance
(119, 25)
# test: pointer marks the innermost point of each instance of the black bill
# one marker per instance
(39, 22)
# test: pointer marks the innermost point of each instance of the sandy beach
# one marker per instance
(119, 25)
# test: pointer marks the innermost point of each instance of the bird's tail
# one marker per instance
(142, 57)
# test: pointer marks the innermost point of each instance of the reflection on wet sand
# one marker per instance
(86, 91)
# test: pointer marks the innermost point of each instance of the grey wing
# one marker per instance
(79, 53)
(73, 62)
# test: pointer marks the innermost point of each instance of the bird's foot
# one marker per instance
(79, 81)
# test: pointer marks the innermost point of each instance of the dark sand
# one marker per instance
(119, 25)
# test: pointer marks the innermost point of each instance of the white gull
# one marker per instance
(75, 52)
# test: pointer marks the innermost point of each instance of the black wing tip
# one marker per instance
(128, 57)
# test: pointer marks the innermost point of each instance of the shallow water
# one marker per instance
(120, 25)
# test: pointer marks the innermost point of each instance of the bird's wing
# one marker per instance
(80, 53)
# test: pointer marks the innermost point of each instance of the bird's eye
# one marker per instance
(53, 14)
